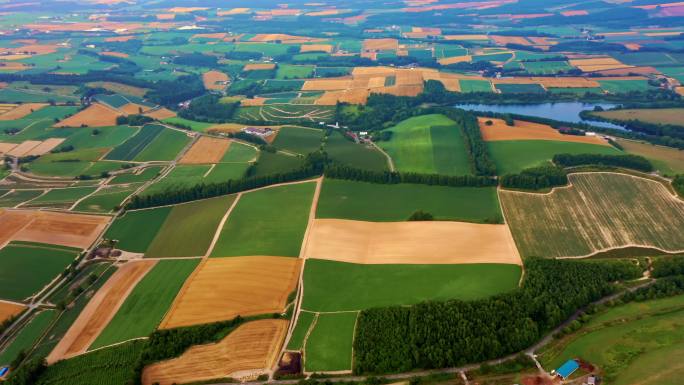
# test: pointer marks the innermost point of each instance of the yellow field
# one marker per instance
(316, 48)
(597, 64)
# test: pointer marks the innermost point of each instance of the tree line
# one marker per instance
(634, 162)
(453, 333)
(337, 171)
(536, 178)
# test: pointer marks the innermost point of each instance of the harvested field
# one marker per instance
(100, 310)
(114, 54)
(119, 88)
(380, 45)
(215, 80)
(45, 146)
(21, 111)
(222, 288)
(668, 160)
(435, 242)
(96, 115)
(206, 150)
(327, 84)
(284, 38)
(132, 108)
(6, 147)
(331, 98)
(455, 59)
(523, 130)
(9, 310)
(597, 212)
(316, 48)
(259, 67)
(73, 230)
(597, 64)
(674, 116)
(250, 349)
(504, 40)
(23, 148)
(160, 113)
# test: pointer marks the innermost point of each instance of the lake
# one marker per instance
(564, 111)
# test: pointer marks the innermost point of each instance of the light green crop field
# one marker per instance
(18, 196)
(164, 147)
(599, 211)
(338, 286)
(299, 140)
(347, 152)
(27, 337)
(274, 163)
(513, 156)
(475, 86)
(287, 71)
(622, 86)
(106, 137)
(223, 172)
(430, 144)
(271, 221)
(107, 199)
(148, 173)
(240, 153)
(144, 308)
(299, 333)
(634, 343)
(195, 126)
(180, 177)
(136, 230)
(189, 228)
(364, 201)
(61, 197)
(329, 346)
(27, 268)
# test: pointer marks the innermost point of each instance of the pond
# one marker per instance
(564, 111)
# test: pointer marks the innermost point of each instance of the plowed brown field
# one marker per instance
(96, 115)
(434, 242)
(73, 230)
(206, 150)
(380, 44)
(522, 130)
(9, 310)
(214, 80)
(100, 310)
(251, 349)
(222, 288)
(21, 110)
(160, 113)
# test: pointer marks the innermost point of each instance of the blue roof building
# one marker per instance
(567, 369)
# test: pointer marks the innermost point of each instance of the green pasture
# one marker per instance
(475, 85)
(107, 199)
(329, 346)
(18, 196)
(512, 156)
(338, 286)
(239, 153)
(63, 197)
(195, 126)
(135, 230)
(365, 201)
(270, 221)
(147, 174)
(299, 140)
(132, 147)
(27, 337)
(189, 228)
(430, 144)
(345, 151)
(299, 333)
(165, 146)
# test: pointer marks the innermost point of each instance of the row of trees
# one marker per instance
(208, 108)
(634, 162)
(454, 333)
(536, 178)
(667, 266)
(670, 130)
(389, 177)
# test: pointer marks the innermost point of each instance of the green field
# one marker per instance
(299, 140)
(430, 144)
(286, 71)
(240, 153)
(147, 304)
(271, 221)
(546, 67)
(27, 268)
(512, 156)
(111, 366)
(61, 197)
(148, 173)
(136, 230)
(338, 286)
(329, 346)
(299, 334)
(364, 201)
(520, 88)
(195, 126)
(345, 151)
(189, 228)
(18, 196)
(639, 342)
(136, 144)
(107, 199)
(668, 160)
(106, 137)
(27, 337)
(274, 163)
(164, 147)
(624, 86)
(475, 85)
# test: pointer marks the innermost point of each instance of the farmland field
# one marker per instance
(429, 144)
(512, 156)
(61, 197)
(329, 346)
(304, 322)
(396, 202)
(614, 341)
(298, 139)
(599, 211)
(146, 305)
(673, 116)
(475, 86)
(337, 286)
(189, 228)
(27, 337)
(136, 230)
(29, 267)
(668, 160)
(164, 147)
(106, 199)
(347, 152)
(238, 152)
(18, 196)
(271, 221)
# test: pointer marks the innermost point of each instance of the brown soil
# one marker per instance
(9, 310)
(222, 288)
(206, 150)
(100, 310)
(529, 131)
(214, 80)
(434, 242)
(96, 115)
(251, 349)
(72, 230)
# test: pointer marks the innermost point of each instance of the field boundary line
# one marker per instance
(390, 161)
(620, 248)
(112, 345)
(511, 239)
(306, 338)
(45, 191)
(219, 228)
(99, 187)
(181, 293)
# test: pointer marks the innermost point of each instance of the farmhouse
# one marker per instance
(258, 131)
